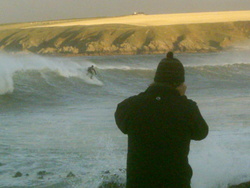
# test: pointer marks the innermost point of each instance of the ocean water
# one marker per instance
(56, 120)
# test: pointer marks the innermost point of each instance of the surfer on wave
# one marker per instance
(91, 71)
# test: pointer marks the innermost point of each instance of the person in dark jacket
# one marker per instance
(160, 123)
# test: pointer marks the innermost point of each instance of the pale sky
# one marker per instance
(13, 11)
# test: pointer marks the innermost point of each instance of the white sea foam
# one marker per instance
(215, 164)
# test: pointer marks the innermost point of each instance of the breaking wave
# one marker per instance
(41, 74)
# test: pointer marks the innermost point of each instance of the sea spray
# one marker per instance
(6, 81)
(108, 167)
(217, 165)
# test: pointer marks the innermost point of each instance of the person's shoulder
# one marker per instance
(132, 99)
(191, 101)
(186, 100)
(191, 104)
(163, 60)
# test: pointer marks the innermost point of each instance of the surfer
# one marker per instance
(160, 123)
(91, 71)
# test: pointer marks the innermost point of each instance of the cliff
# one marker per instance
(115, 38)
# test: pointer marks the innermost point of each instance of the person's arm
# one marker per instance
(199, 127)
(122, 116)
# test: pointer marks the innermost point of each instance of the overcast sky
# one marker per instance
(12, 11)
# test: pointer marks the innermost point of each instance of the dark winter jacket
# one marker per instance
(160, 124)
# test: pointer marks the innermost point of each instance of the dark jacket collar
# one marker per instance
(162, 90)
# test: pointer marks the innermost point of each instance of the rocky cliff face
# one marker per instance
(123, 39)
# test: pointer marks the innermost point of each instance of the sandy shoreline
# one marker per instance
(161, 19)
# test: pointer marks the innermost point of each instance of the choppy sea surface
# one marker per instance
(55, 120)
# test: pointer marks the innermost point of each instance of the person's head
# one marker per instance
(170, 71)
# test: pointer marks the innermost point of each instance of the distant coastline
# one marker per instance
(128, 35)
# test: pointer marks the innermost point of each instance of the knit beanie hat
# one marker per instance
(170, 71)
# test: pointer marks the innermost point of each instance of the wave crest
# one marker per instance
(20, 67)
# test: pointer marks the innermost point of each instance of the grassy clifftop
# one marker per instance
(117, 39)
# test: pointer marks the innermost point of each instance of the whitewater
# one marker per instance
(56, 120)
